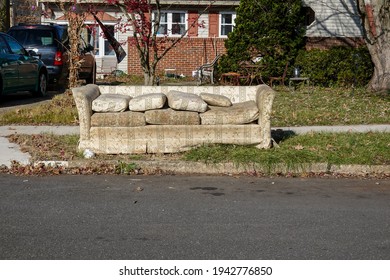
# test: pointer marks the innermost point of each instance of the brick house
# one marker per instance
(329, 22)
(200, 45)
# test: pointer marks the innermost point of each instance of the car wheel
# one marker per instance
(42, 85)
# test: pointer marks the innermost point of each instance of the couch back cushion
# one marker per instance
(147, 102)
(216, 99)
(111, 103)
(186, 101)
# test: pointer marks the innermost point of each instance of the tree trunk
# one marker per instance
(375, 16)
(148, 79)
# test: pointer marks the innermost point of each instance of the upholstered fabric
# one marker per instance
(215, 99)
(172, 117)
(186, 101)
(239, 113)
(127, 118)
(147, 102)
(104, 136)
(111, 103)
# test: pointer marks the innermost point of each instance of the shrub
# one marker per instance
(338, 66)
(269, 29)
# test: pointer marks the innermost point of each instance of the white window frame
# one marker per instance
(102, 40)
(169, 22)
(220, 22)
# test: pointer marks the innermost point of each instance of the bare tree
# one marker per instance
(375, 16)
(75, 20)
(143, 17)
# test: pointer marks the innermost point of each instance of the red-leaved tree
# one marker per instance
(142, 17)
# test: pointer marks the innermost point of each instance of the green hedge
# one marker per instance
(339, 66)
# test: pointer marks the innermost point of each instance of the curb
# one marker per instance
(184, 167)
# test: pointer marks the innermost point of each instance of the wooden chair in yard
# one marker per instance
(251, 72)
(280, 79)
(207, 70)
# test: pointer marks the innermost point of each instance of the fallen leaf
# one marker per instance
(298, 147)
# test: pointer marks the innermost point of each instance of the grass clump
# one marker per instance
(329, 107)
(60, 110)
(331, 148)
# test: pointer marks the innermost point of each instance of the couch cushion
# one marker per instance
(111, 103)
(186, 101)
(172, 117)
(238, 113)
(216, 99)
(127, 119)
(148, 101)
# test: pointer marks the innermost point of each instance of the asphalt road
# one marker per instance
(198, 217)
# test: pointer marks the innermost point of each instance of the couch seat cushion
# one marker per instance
(186, 101)
(216, 99)
(111, 103)
(148, 101)
(127, 119)
(238, 113)
(172, 117)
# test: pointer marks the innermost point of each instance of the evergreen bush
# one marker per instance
(270, 29)
(338, 66)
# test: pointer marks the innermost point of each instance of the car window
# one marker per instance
(3, 46)
(46, 37)
(15, 47)
(34, 37)
(19, 35)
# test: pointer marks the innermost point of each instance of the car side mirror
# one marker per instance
(32, 53)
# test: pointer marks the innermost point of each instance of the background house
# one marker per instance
(329, 23)
(202, 43)
(332, 23)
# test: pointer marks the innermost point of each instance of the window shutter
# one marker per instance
(213, 24)
(192, 16)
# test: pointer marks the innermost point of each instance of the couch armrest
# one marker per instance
(83, 97)
(264, 98)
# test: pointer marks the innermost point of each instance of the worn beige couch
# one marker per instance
(119, 133)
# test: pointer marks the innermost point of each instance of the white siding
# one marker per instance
(334, 18)
(122, 37)
(204, 31)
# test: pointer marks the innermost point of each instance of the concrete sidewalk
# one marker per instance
(11, 152)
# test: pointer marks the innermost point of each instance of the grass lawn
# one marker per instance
(330, 107)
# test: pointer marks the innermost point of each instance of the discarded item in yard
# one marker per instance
(88, 153)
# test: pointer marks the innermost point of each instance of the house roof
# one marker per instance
(102, 16)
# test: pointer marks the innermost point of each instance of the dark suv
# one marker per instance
(51, 43)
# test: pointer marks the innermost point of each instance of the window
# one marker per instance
(310, 15)
(173, 23)
(226, 23)
(96, 38)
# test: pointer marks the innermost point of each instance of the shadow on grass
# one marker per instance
(280, 135)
